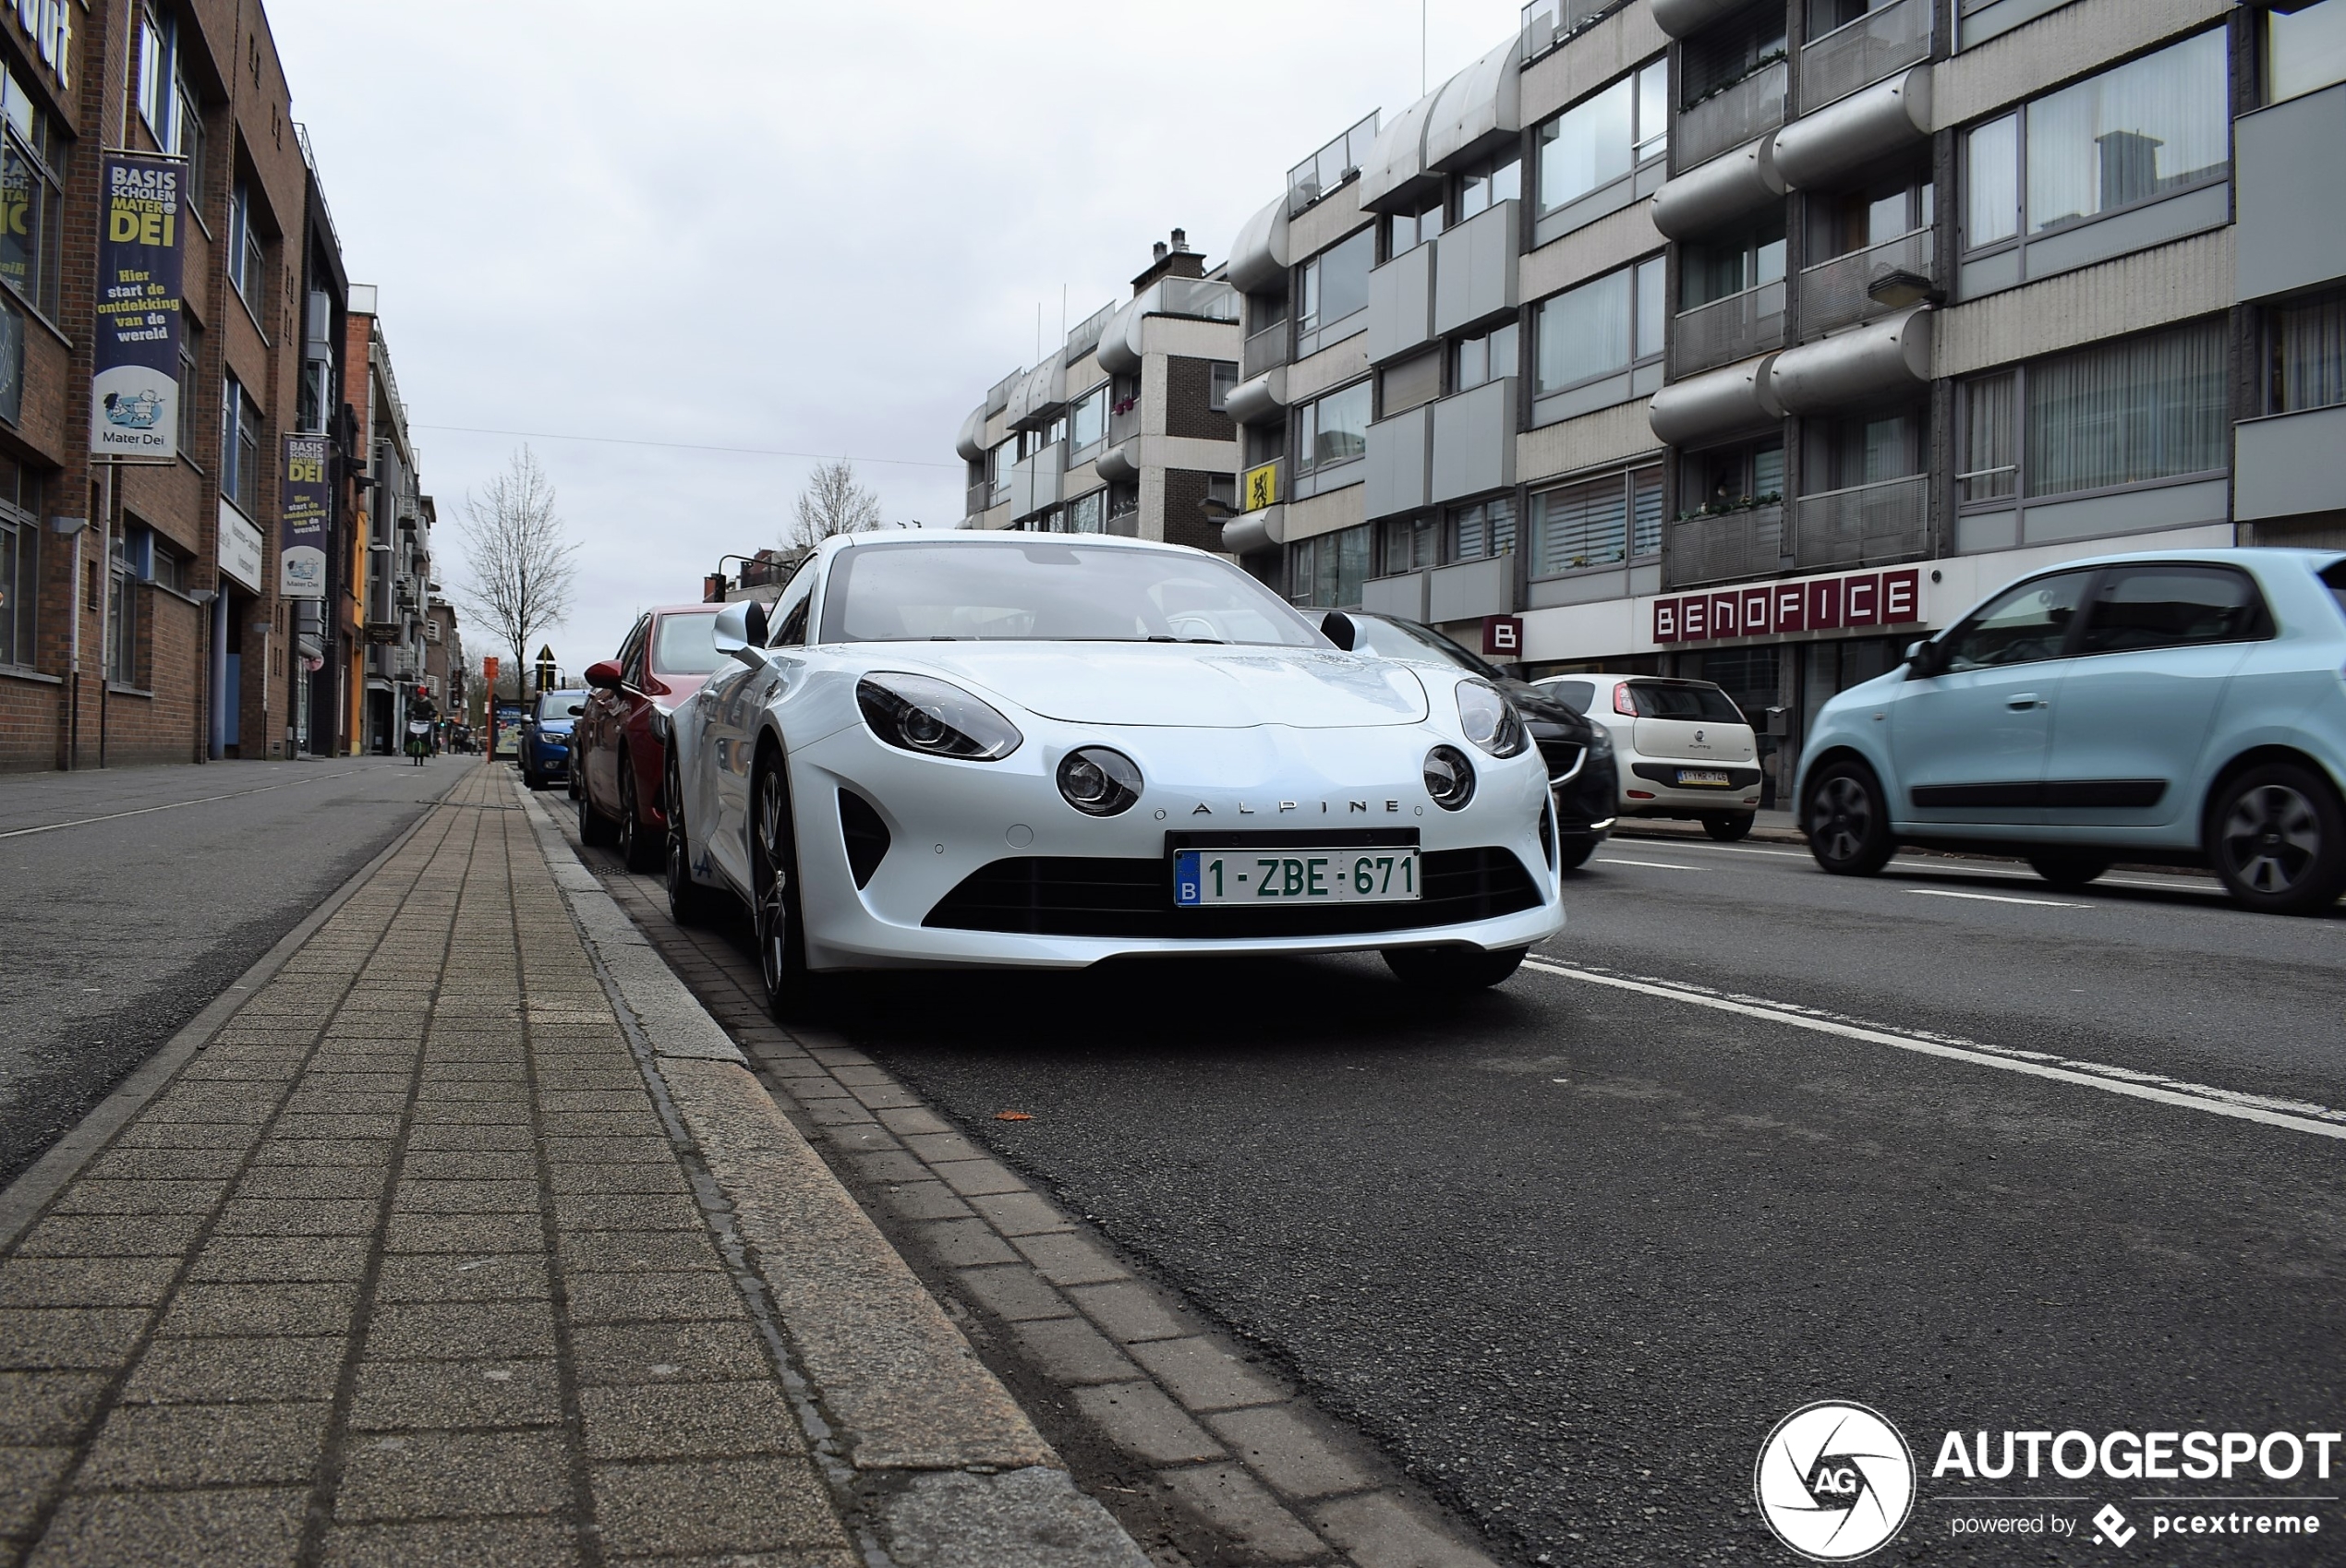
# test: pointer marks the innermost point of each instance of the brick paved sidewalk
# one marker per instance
(403, 1267)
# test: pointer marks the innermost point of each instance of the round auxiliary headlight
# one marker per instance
(1449, 777)
(1099, 782)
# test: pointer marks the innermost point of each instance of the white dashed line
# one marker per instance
(1995, 898)
(176, 805)
(1654, 865)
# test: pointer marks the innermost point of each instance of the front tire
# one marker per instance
(637, 849)
(2279, 840)
(1847, 817)
(1572, 856)
(782, 945)
(1731, 826)
(1452, 968)
(688, 901)
(2064, 869)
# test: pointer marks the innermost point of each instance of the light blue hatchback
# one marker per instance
(2186, 708)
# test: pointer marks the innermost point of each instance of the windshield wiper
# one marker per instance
(1216, 640)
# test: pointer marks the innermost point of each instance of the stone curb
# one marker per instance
(40, 1183)
(946, 1468)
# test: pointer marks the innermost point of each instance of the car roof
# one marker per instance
(879, 537)
(2236, 555)
(1603, 675)
(685, 609)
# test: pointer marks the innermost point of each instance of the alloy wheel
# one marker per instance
(1840, 818)
(773, 917)
(2273, 838)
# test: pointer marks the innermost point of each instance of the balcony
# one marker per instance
(1832, 293)
(1265, 350)
(1879, 43)
(1729, 117)
(1330, 167)
(981, 496)
(1547, 23)
(1719, 549)
(1863, 525)
(1034, 483)
(1727, 330)
(1086, 335)
(1124, 420)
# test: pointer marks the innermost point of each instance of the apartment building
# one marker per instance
(1123, 429)
(395, 519)
(1750, 341)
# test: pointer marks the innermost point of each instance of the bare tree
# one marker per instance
(832, 502)
(519, 558)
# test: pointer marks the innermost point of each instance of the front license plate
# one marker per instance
(1703, 778)
(1294, 876)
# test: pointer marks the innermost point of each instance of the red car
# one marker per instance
(622, 746)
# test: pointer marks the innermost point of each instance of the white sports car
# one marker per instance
(1038, 750)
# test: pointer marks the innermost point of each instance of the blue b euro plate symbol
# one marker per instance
(1187, 890)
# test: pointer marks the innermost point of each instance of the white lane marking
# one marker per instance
(1994, 899)
(1716, 849)
(2177, 883)
(2298, 1115)
(1657, 866)
(174, 805)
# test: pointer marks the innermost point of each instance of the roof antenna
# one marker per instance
(1421, 4)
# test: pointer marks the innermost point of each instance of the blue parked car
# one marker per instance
(2186, 708)
(545, 738)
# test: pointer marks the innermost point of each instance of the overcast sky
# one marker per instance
(811, 228)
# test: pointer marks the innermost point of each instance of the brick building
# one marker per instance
(140, 618)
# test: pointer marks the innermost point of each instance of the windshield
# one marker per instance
(1407, 639)
(555, 705)
(685, 643)
(1696, 700)
(1051, 592)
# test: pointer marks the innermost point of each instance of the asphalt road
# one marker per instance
(136, 895)
(1753, 1136)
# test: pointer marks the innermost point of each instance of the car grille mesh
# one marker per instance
(1064, 896)
(1562, 757)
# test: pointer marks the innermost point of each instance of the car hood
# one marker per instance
(1191, 686)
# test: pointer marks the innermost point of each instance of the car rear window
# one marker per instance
(556, 705)
(685, 643)
(1695, 700)
(1578, 694)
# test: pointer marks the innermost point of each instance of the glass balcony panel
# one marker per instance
(1884, 42)
(1864, 524)
(1832, 293)
(1266, 350)
(1731, 116)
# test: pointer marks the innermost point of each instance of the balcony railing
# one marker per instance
(1124, 420)
(1208, 300)
(1727, 330)
(1330, 167)
(1832, 293)
(1086, 335)
(1547, 23)
(1732, 116)
(1863, 525)
(981, 495)
(1882, 41)
(1719, 550)
(1265, 350)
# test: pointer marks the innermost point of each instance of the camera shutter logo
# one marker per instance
(1834, 1481)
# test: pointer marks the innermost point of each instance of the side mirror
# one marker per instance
(741, 632)
(603, 675)
(1922, 659)
(1338, 629)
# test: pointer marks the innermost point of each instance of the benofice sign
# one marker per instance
(1854, 601)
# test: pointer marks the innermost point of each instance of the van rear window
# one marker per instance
(1694, 700)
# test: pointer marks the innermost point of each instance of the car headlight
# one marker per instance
(920, 713)
(1489, 720)
(1099, 782)
(1600, 741)
(1449, 777)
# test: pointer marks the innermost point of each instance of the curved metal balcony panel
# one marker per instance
(1862, 130)
(1477, 109)
(970, 443)
(1119, 348)
(1721, 192)
(1684, 18)
(1729, 117)
(1256, 532)
(1259, 401)
(1886, 358)
(1727, 330)
(1040, 394)
(1885, 39)
(1118, 464)
(1705, 410)
(1395, 176)
(1259, 256)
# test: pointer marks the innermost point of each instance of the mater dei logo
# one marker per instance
(1834, 1481)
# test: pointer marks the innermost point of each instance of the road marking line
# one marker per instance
(2177, 883)
(2296, 1116)
(1657, 866)
(1994, 899)
(174, 805)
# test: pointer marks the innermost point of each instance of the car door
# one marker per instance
(2160, 645)
(1970, 727)
(607, 711)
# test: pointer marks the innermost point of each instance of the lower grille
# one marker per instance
(1063, 896)
(1563, 758)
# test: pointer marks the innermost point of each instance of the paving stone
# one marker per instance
(516, 1542)
(168, 1164)
(1069, 1259)
(366, 1181)
(1237, 1505)
(1139, 1419)
(429, 1330)
(862, 1074)
(721, 1505)
(973, 1177)
(1021, 1213)
(629, 1211)
(324, 1152)
(1128, 1310)
(926, 1201)
(40, 1408)
(89, 1197)
(907, 1123)
(885, 1097)
(166, 1447)
(604, 1298)
(471, 1393)
(269, 1258)
(86, 1282)
(472, 1136)
(297, 1216)
(650, 1144)
(1071, 1351)
(834, 1112)
(45, 1338)
(889, 1165)
(245, 1528)
(861, 1138)
(637, 1252)
(654, 1353)
(1203, 1376)
(1377, 1531)
(463, 1233)
(453, 1276)
(110, 1236)
(372, 1126)
(465, 1196)
(1014, 1293)
(664, 1176)
(440, 1473)
(248, 1307)
(28, 1477)
(942, 1148)
(683, 1420)
(514, 1113)
(964, 1244)
(233, 1371)
(1278, 1443)
(187, 1135)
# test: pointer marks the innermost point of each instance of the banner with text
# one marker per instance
(134, 390)
(301, 562)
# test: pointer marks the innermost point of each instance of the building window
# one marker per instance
(1721, 55)
(1859, 219)
(240, 447)
(190, 147)
(998, 464)
(1733, 479)
(1599, 329)
(32, 201)
(1487, 358)
(244, 250)
(1088, 418)
(1087, 514)
(1327, 571)
(2129, 413)
(122, 612)
(1487, 528)
(1597, 521)
(19, 583)
(1845, 454)
(1407, 544)
(1336, 281)
(1410, 382)
(1333, 430)
(1603, 139)
(155, 79)
(1481, 190)
(2305, 51)
(189, 335)
(1222, 378)
(1728, 268)
(1404, 232)
(2150, 128)
(2305, 355)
